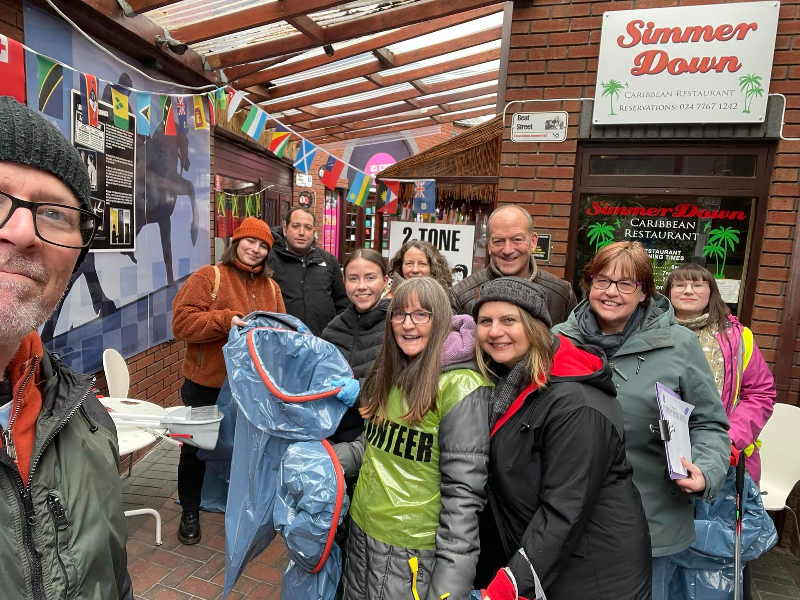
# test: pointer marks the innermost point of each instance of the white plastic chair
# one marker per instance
(118, 379)
(117, 376)
(780, 468)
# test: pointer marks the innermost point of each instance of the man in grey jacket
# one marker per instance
(511, 243)
(62, 532)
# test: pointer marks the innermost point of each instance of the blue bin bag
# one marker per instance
(280, 377)
(311, 503)
(705, 570)
(214, 494)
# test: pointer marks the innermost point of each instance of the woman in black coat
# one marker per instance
(564, 517)
(358, 330)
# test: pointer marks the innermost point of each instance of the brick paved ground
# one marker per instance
(776, 576)
(176, 572)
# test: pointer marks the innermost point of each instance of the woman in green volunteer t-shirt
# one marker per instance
(421, 485)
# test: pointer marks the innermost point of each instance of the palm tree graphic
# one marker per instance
(612, 89)
(751, 86)
(600, 234)
(721, 240)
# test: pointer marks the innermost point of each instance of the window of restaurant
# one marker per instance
(703, 204)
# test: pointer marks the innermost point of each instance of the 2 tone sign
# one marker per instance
(691, 64)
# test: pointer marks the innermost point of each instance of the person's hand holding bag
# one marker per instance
(349, 392)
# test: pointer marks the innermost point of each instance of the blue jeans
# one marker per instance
(663, 570)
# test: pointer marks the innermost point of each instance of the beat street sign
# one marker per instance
(539, 127)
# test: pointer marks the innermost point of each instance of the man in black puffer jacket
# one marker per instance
(359, 337)
(310, 278)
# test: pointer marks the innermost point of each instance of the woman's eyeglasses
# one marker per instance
(418, 317)
(625, 286)
(698, 287)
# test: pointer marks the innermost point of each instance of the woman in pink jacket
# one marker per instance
(743, 379)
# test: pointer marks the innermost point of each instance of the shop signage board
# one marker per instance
(710, 231)
(689, 64)
(455, 242)
(539, 127)
(109, 154)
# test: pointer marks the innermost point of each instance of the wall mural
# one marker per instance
(151, 189)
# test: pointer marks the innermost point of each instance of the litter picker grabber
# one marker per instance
(737, 557)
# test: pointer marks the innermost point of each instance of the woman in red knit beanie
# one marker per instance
(210, 303)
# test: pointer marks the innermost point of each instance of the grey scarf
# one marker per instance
(507, 390)
(587, 324)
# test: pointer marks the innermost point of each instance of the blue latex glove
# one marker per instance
(349, 392)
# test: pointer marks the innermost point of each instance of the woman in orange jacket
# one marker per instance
(210, 303)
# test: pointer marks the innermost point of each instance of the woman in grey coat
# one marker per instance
(636, 328)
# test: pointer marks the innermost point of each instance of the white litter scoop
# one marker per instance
(197, 426)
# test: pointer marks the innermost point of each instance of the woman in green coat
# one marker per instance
(636, 328)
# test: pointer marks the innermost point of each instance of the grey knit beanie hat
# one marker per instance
(517, 291)
(27, 138)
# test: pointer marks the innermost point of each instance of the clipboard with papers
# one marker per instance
(674, 416)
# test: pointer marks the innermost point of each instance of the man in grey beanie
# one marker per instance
(59, 460)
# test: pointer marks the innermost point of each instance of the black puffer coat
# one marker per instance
(359, 337)
(312, 285)
(561, 490)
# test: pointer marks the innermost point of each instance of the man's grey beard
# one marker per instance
(19, 318)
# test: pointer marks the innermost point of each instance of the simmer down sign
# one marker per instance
(679, 211)
(652, 62)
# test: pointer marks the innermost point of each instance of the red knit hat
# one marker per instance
(255, 228)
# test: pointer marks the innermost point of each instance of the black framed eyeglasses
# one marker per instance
(56, 224)
(624, 286)
(418, 317)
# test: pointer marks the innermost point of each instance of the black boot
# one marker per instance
(189, 529)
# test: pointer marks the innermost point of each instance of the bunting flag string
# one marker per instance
(175, 112)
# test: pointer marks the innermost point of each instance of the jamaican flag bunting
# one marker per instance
(51, 87)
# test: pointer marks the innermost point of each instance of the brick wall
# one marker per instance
(11, 19)
(318, 189)
(553, 54)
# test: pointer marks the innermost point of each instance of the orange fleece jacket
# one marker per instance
(24, 371)
(204, 325)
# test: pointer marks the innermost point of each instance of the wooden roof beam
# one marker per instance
(313, 83)
(456, 96)
(407, 116)
(306, 25)
(333, 111)
(389, 129)
(140, 6)
(470, 114)
(438, 69)
(135, 36)
(341, 92)
(446, 86)
(457, 106)
(415, 96)
(371, 70)
(467, 41)
(383, 111)
(257, 16)
(369, 45)
(393, 18)
(385, 56)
